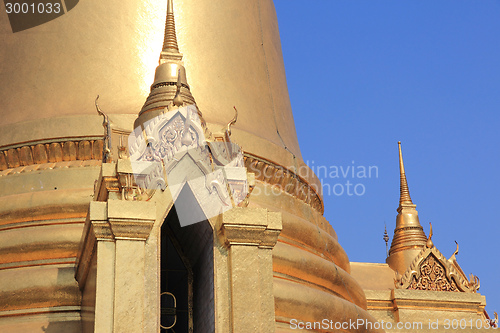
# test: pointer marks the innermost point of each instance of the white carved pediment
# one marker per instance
(171, 151)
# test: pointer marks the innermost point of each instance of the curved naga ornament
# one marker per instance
(106, 153)
(232, 122)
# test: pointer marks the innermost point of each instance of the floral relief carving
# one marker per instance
(432, 277)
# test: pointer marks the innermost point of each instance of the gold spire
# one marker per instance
(170, 39)
(404, 197)
(409, 237)
(170, 87)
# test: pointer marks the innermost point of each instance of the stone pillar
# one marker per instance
(131, 223)
(112, 259)
(250, 235)
(105, 269)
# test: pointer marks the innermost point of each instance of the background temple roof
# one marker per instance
(425, 73)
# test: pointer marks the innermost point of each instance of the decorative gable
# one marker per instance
(431, 271)
(432, 277)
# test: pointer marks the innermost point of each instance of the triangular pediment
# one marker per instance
(431, 271)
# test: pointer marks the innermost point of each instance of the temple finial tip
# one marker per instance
(170, 38)
(403, 187)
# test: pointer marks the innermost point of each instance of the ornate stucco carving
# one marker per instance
(432, 277)
(33, 156)
(283, 178)
(430, 270)
(54, 154)
(172, 150)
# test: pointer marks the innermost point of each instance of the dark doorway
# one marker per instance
(186, 277)
(176, 280)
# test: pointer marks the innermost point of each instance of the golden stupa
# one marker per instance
(84, 249)
(86, 245)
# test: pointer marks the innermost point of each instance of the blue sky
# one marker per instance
(363, 75)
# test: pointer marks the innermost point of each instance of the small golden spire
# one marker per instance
(409, 237)
(170, 39)
(403, 185)
(429, 242)
(170, 86)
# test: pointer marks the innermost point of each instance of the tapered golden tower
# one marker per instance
(170, 75)
(80, 243)
(409, 237)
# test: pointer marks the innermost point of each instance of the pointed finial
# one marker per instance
(170, 40)
(386, 239)
(403, 185)
(178, 101)
(429, 243)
